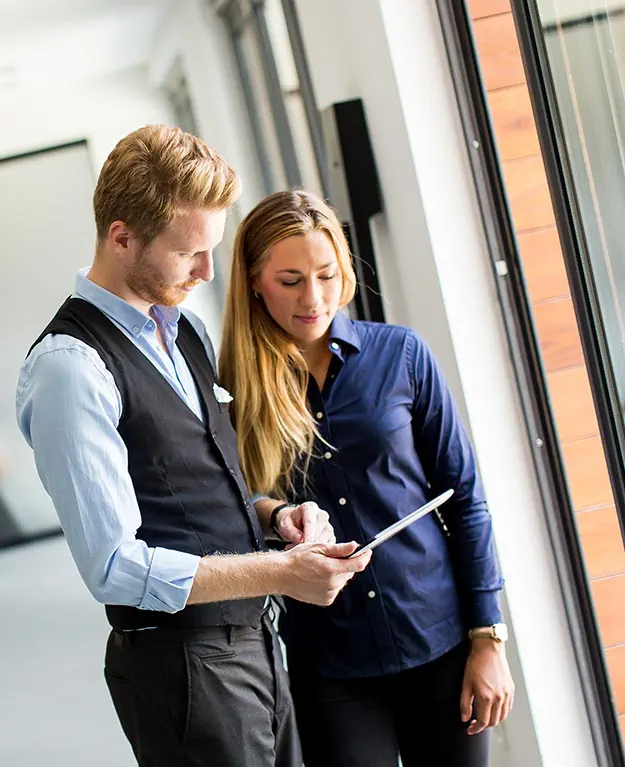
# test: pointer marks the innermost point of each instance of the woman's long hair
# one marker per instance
(259, 363)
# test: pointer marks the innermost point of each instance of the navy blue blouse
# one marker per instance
(396, 440)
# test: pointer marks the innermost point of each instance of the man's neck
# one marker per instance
(114, 283)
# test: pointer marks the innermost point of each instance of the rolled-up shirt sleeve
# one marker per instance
(68, 408)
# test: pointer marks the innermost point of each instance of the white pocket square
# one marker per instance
(221, 395)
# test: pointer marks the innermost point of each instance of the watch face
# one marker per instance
(501, 632)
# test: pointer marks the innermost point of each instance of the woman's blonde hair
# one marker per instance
(259, 363)
(153, 173)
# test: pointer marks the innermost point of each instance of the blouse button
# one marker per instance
(318, 416)
(342, 501)
(371, 595)
(327, 455)
(334, 345)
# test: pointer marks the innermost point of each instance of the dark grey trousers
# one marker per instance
(214, 697)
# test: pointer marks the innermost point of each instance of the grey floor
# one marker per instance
(54, 706)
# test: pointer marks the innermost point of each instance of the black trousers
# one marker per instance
(215, 697)
(370, 722)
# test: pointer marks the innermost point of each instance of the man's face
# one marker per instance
(178, 259)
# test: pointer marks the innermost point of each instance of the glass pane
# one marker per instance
(294, 103)
(177, 93)
(281, 45)
(303, 144)
(250, 60)
(585, 42)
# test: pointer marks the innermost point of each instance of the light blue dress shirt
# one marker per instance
(68, 409)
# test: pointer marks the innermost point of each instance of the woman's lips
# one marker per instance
(308, 320)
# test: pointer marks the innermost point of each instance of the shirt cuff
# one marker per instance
(169, 580)
(485, 609)
(256, 498)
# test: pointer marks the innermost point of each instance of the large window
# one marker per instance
(278, 93)
(550, 174)
(585, 42)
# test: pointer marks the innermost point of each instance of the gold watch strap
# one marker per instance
(485, 632)
(498, 632)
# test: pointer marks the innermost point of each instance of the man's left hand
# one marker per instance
(487, 687)
(306, 523)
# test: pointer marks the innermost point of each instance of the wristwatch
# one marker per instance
(273, 520)
(498, 632)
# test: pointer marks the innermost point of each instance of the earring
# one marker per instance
(256, 296)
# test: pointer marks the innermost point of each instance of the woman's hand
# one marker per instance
(306, 523)
(487, 687)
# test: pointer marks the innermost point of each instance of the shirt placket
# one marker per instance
(366, 582)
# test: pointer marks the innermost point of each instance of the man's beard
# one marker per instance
(148, 284)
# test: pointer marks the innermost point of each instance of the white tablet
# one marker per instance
(393, 529)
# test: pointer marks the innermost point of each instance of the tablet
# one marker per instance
(393, 529)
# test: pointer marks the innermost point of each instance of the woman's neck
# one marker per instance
(318, 357)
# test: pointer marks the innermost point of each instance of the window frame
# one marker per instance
(239, 15)
(524, 349)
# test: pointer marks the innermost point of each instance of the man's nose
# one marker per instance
(203, 269)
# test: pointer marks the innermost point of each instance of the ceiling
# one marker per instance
(49, 43)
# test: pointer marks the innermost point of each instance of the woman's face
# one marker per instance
(301, 285)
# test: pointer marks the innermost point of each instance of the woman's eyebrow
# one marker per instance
(296, 271)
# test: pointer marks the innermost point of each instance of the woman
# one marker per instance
(357, 416)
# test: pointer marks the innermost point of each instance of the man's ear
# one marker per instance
(121, 239)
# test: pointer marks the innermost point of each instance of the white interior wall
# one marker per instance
(101, 111)
(193, 31)
(54, 190)
(436, 278)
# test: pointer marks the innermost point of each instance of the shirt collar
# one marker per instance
(343, 332)
(120, 311)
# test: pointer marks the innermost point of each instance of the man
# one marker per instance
(133, 442)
